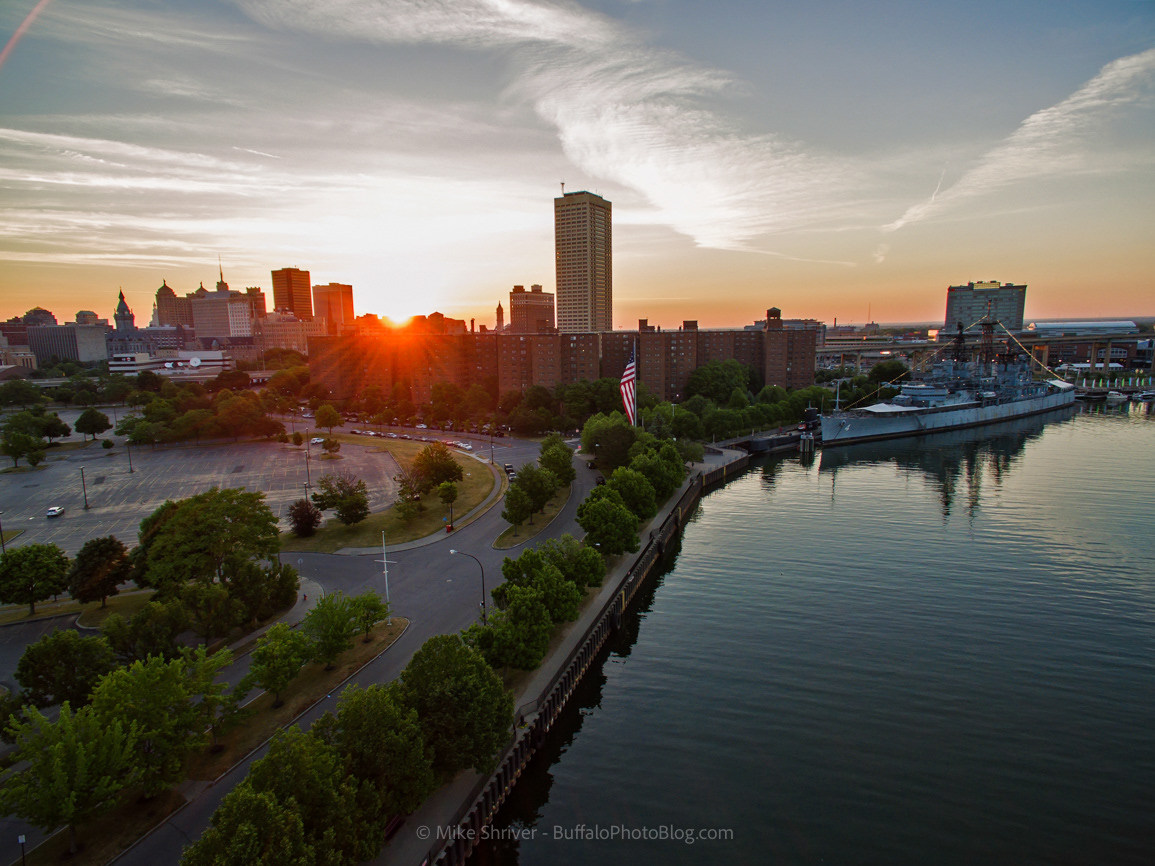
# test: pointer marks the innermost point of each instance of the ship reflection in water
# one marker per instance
(946, 459)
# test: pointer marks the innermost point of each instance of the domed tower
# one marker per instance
(125, 320)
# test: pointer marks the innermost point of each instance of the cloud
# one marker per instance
(623, 112)
(879, 254)
(1049, 141)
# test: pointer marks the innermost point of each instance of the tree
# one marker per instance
(330, 445)
(98, 570)
(219, 705)
(579, 564)
(51, 427)
(609, 439)
(464, 711)
(330, 625)
(32, 573)
(278, 657)
(518, 636)
(152, 631)
(539, 484)
(92, 422)
(297, 438)
(381, 741)
(16, 445)
(447, 493)
(560, 596)
(608, 523)
(328, 417)
(716, 380)
(407, 510)
(63, 666)
(262, 590)
(518, 506)
(154, 696)
(19, 392)
(664, 476)
(208, 535)
(436, 464)
(368, 610)
(304, 768)
(557, 457)
(212, 610)
(346, 494)
(76, 768)
(887, 371)
(636, 491)
(254, 828)
(304, 518)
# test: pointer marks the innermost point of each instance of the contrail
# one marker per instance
(938, 186)
(24, 25)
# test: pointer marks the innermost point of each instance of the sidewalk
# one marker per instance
(442, 808)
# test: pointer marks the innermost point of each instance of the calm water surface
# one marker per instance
(923, 651)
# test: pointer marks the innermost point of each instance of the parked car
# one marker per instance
(55, 511)
(508, 468)
(600, 480)
(317, 440)
(422, 426)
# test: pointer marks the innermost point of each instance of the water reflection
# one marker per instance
(948, 459)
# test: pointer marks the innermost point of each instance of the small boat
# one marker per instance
(1144, 397)
(1116, 397)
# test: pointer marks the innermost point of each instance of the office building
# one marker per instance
(583, 256)
(971, 304)
(172, 310)
(291, 293)
(530, 312)
(334, 304)
(67, 342)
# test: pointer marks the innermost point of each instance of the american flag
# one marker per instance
(629, 383)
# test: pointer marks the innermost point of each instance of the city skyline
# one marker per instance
(835, 159)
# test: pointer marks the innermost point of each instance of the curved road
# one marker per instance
(437, 592)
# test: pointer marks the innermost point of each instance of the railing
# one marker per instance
(489, 793)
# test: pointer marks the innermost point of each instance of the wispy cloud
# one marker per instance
(623, 112)
(1048, 142)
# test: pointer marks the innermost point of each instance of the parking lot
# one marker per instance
(119, 499)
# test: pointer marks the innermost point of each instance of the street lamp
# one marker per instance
(84, 487)
(3, 546)
(484, 619)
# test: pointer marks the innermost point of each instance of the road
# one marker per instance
(438, 593)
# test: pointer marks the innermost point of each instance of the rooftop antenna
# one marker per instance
(563, 187)
(221, 267)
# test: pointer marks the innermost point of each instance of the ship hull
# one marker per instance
(850, 429)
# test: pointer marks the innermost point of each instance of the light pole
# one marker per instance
(84, 487)
(128, 451)
(308, 478)
(484, 607)
(384, 560)
(3, 546)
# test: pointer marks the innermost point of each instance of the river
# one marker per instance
(934, 650)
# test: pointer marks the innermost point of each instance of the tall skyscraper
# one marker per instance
(583, 254)
(334, 304)
(291, 292)
(530, 312)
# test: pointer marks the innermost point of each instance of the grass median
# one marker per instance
(91, 614)
(516, 535)
(104, 838)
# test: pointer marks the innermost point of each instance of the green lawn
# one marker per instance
(91, 614)
(518, 534)
(333, 536)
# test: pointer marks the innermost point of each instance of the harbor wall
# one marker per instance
(537, 716)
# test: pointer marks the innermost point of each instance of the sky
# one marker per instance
(843, 160)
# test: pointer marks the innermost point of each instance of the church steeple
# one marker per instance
(500, 317)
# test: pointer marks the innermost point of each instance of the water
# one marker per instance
(910, 652)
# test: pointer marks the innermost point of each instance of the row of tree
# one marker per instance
(327, 796)
(536, 484)
(434, 468)
(543, 587)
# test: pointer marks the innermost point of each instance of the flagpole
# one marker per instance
(637, 381)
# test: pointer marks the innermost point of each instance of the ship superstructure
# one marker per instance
(958, 391)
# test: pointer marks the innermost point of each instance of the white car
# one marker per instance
(422, 426)
(55, 511)
(317, 440)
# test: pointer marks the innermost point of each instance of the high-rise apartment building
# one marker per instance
(970, 304)
(334, 304)
(291, 292)
(530, 312)
(583, 255)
